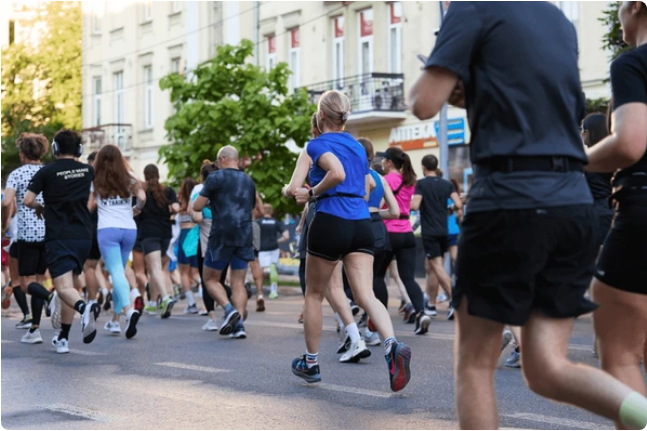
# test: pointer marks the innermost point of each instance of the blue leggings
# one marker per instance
(115, 245)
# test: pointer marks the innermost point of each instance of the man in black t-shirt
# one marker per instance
(273, 233)
(528, 243)
(430, 197)
(65, 185)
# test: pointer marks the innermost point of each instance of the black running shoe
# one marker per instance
(362, 321)
(354, 307)
(344, 346)
(107, 305)
(300, 369)
(229, 323)
(410, 314)
(422, 324)
(399, 361)
(248, 289)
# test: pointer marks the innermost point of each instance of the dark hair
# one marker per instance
(402, 162)
(439, 173)
(184, 196)
(33, 146)
(68, 142)
(153, 186)
(430, 162)
(111, 177)
(596, 125)
(92, 157)
(377, 167)
(207, 167)
(368, 147)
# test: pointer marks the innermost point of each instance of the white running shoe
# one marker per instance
(211, 325)
(356, 352)
(88, 322)
(505, 339)
(32, 337)
(373, 339)
(112, 327)
(191, 309)
(55, 310)
(442, 297)
(62, 346)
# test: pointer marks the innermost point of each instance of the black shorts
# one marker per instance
(435, 246)
(381, 241)
(514, 262)
(13, 250)
(137, 246)
(150, 245)
(31, 258)
(95, 253)
(65, 255)
(623, 261)
(331, 237)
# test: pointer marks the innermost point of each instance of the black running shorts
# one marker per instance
(331, 237)
(623, 261)
(95, 253)
(150, 245)
(13, 250)
(435, 246)
(65, 255)
(514, 262)
(31, 258)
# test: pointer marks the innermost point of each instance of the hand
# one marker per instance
(287, 192)
(40, 212)
(298, 230)
(302, 196)
(136, 211)
(457, 98)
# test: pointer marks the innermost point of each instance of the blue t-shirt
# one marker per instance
(352, 156)
(518, 62)
(452, 223)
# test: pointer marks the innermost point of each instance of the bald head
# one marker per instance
(228, 157)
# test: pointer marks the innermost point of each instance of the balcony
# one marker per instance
(119, 134)
(374, 97)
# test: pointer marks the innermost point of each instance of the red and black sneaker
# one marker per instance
(398, 361)
(138, 304)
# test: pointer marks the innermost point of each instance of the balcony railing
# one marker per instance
(117, 134)
(383, 92)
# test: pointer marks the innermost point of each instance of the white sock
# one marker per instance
(353, 332)
(152, 303)
(189, 298)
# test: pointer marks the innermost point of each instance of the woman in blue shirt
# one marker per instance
(341, 230)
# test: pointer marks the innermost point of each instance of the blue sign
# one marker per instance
(455, 131)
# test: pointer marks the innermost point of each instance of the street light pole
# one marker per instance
(443, 145)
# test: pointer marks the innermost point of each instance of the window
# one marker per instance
(366, 41)
(96, 89)
(175, 65)
(571, 9)
(295, 59)
(338, 52)
(96, 16)
(271, 52)
(148, 97)
(176, 6)
(395, 37)
(148, 11)
(119, 101)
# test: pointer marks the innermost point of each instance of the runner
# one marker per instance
(31, 229)
(232, 197)
(529, 236)
(65, 185)
(402, 180)
(341, 230)
(431, 196)
(112, 193)
(155, 233)
(273, 233)
(620, 284)
(255, 266)
(186, 263)
(92, 263)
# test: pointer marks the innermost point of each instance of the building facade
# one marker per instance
(368, 50)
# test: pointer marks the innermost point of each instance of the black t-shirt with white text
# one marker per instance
(155, 220)
(433, 208)
(65, 184)
(271, 230)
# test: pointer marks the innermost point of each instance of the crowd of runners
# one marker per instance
(552, 214)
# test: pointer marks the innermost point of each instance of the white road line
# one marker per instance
(191, 367)
(565, 423)
(77, 411)
(86, 353)
(351, 390)
(6, 341)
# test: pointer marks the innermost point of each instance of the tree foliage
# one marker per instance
(612, 39)
(41, 81)
(227, 100)
(597, 105)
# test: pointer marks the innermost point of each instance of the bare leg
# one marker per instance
(318, 274)
(516, 333)
(445, 282)
(91, 283)
(337, 298)
(139, 266)
(238, 292)
(64, 286)
(155, 273)
(432, 282)
(257, 275)
(211, 278)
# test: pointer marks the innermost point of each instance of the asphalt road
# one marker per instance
(173, 375)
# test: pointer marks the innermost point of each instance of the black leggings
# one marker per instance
(403, 247)
(209, 303)
(302, 275)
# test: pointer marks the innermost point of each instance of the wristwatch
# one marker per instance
(311, 193)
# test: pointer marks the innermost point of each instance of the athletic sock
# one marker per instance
(39, 291)
(80, 306)
(190, 299)
(633, 411)
(37, 309)
(21, 299)
(65, 331)
(353, 332)
(312, 359)
(228, 308)
(152, 303)
(388, 344)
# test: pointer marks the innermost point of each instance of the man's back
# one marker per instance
(433, 209)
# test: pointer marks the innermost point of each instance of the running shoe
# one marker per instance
(25, 323)
(211, 325)
(300, 369)
(372, 339)
(239, 332)
(353, 307)
(167, 306)
(260, 304)
(442, 297)
(430, 310)
(450, 313)
(32, 337)
(203, 312)
(151, 310)
(100, 297)
(61, 346)
(301, 318)
(410, 314)
(344, 345)
(138, 304)
(191, 309)
(248, 289)
(88, 322)
(107, 305)
(514, 361)
(229, 322)
(505, 339)
(362, 321)
(54, 307)
(403, 306)
(112, 327)
(132, 317)
(356, 352)
(398, 361)
(273, 294)
(422, 324)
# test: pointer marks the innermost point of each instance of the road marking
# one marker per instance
(351, 390)
(86, 353)
(78, 412)
(191, 367)
(565, 423)
(6, 341)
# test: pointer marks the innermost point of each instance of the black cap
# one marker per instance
(390, 154)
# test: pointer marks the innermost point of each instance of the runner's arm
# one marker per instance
(393, 211)
(416, 200)
(92, 202)
(458, 205)
(335, 175)
(299, 175)
(258, 209)
(7, 207)
(432, 90)
(31, 202)
(200, 203)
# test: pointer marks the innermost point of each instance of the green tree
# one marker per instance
(41, 82)
(597, 105)
(612, 39)
(228, 100)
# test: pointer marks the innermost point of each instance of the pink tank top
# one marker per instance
(404, 203)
